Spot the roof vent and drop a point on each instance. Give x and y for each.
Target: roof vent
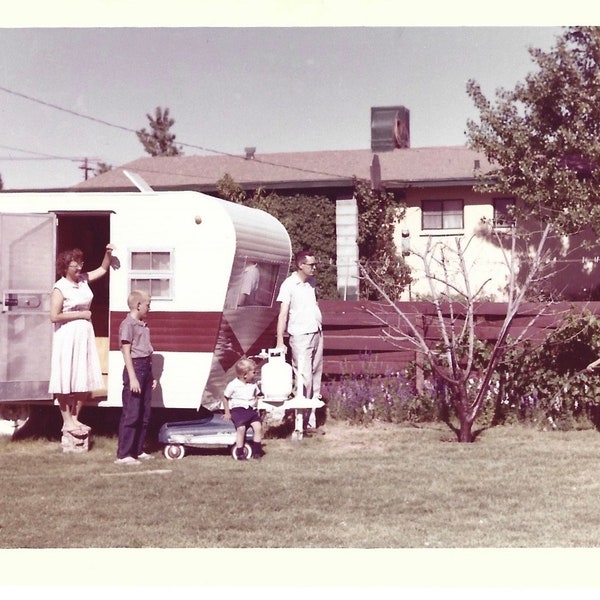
(390, 128)
(250, 150)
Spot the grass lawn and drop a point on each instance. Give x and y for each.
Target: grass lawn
(385, 487)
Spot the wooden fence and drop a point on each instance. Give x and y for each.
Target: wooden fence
(354, 338)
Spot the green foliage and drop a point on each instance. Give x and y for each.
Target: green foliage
(378, 215)
(102, 167)
(228, 189)
(310, 223)
(551, 377)
(544, 136)
(159, 141)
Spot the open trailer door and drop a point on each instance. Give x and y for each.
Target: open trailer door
(27, 256)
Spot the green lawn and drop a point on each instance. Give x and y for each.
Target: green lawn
(400, 493)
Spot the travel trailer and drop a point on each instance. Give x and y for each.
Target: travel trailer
(189, 251)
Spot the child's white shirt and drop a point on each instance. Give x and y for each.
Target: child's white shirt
(241, 394)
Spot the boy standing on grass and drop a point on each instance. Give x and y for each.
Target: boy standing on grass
(240, 401)
(138, 381)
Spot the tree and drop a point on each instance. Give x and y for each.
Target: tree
(461, 361)
(102, 167)
(543, 137)
(1, 183)
(159, 141)
(230, 190)
(543, 140)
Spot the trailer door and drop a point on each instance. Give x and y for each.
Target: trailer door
(27, 254)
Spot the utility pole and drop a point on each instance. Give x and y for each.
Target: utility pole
(86, 168)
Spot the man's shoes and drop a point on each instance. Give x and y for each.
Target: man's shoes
(127, 460)
(145, 456)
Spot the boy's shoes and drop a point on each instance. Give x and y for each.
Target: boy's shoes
(145, 456)
(257, 450)
(127, 460)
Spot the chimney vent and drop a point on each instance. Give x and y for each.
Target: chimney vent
(390, 128)
(250, 150)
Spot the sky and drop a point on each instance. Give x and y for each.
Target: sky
(78, 88)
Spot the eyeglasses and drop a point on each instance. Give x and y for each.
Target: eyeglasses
(311, 265)
(76, 266)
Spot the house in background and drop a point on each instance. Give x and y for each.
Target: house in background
(435, 184)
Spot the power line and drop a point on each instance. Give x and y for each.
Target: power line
(194, 146)
(66, 110)
(41, 155)
(18, 158)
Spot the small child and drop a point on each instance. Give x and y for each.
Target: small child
(138, 381)
(240, 401)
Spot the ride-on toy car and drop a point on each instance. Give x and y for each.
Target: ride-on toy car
(212, 430)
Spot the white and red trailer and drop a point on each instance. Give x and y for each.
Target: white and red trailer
(187, 249)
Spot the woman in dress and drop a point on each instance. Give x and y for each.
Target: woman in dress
(75, 368)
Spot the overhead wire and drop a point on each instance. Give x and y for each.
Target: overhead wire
(42, 155)
(184, 144)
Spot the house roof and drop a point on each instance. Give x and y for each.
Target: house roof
(330, 168)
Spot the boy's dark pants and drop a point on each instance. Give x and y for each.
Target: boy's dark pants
(135, 415)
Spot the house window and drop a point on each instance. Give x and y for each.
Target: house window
(502, 210)
(152, 272)
(442, 214)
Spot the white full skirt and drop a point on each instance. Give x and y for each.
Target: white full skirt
(75, 365)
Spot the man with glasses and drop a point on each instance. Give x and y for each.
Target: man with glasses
(299, 313)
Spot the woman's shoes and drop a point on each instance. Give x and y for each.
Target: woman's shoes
(83, 427)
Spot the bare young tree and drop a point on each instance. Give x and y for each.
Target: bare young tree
(457, 359)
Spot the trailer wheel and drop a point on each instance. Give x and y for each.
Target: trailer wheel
(247, 451)
(174, 451)
(13, 417)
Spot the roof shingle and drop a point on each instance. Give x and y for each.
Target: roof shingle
(400, 166)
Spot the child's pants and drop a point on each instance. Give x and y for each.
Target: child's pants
(135, 415)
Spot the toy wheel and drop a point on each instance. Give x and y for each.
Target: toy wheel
(247, 451)
(174, 451)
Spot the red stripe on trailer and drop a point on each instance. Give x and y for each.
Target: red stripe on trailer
(175, 331)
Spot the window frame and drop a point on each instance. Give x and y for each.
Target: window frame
(151, 274)
(501, 218)
(444, 213)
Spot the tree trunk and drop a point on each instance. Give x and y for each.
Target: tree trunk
(465, 432)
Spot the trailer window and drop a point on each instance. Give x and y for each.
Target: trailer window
(257, 283)
(152, 272)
